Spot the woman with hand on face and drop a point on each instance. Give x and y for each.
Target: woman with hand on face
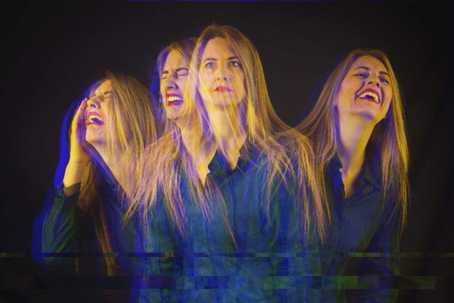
(107, 136)
(264, 170)
(358, 133)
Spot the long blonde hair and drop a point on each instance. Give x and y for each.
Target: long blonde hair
(288, 153)
(167, 163)
(130, 127)
(389, 136)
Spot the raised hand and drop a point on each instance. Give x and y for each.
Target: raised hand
(78, 157)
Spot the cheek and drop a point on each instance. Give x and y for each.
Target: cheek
(240, 83)
(204, 78)
(345, 95)
(105, 112)
(351, 87)
(162, 87)
(388, 98)
(203, 90)
(388, 93)
(182, 85)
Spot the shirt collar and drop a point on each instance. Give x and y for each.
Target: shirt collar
(368, 180)
(219, 167)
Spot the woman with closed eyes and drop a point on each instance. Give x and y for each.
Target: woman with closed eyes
(358, 132)
(174, 202)
(107, 136)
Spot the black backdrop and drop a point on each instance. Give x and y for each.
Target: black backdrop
(52, 53)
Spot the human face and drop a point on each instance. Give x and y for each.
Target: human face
(173, 80)
(221, 75)
(366, 90)
(96, 112)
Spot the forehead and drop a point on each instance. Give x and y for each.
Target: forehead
(104, 87)
(370, 62)
(174, 60)
(218, 48)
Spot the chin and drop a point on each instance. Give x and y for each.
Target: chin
(224, 102)
(369, 111)
(173, 114)
(367, 114)
(95, 139)
(172, 117)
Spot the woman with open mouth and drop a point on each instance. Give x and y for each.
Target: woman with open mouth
(107, 133)
(261, 196)
(170, 77)
(175, 184)
(358, 133)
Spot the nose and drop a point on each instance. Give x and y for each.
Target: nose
(222, 73)
(374, 82)
(171, 83)
(93, 103)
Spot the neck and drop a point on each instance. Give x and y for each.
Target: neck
(229, 137)
(354, 134)
(112, 161)
(199, 148)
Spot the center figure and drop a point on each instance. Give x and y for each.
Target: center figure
(237, 201)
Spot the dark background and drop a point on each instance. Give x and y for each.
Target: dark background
(52, 53)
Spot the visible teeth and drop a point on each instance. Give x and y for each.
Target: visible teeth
(174, 98)
(368, 94)
(96, 120)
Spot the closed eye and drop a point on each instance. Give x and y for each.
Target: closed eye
(384, 80)
(361, 75)
(182, 72)
(164, 75)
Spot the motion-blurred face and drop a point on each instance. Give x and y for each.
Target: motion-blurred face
(221, 75)
(366, 90)
(173, 80)
(96, 113)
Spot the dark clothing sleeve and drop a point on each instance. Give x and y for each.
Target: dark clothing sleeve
(59, 235)
(69, 240)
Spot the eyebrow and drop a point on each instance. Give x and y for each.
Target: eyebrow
(210, 59)
(100, 95)
(362, 67)
(367, 68)
(214, 59)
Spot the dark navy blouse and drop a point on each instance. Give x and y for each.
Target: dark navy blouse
(262, 260)
(360, 256)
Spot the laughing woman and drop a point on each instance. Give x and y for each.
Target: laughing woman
(358, 132)
(109, 131)
(176, 193)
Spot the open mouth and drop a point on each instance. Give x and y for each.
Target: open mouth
(94, 119)
(223, 89)
(173, 100)
(370, 95)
